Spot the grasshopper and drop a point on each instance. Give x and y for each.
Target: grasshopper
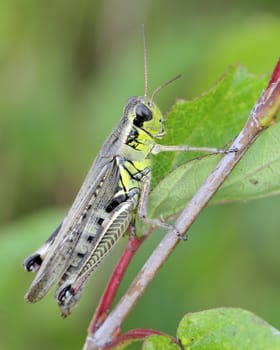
(115, 191)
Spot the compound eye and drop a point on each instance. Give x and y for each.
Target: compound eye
(143, 114)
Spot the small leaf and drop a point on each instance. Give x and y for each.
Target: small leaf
(214, 120)
(159, 342)
(227, 329)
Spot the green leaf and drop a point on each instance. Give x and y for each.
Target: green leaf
(213, 120)
(227, 329)
(159, 342)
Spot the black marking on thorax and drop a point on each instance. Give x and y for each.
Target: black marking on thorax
(132, 139)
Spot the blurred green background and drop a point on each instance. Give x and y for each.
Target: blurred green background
(67, 69)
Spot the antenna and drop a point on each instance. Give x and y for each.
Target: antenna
(164, 85)
(146, 71)
(145, 62)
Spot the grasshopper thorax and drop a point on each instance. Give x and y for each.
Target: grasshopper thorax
(145, 115)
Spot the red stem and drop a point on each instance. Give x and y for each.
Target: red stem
(137, 335)
(275, 75)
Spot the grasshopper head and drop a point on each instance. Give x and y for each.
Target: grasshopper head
(144, 114)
